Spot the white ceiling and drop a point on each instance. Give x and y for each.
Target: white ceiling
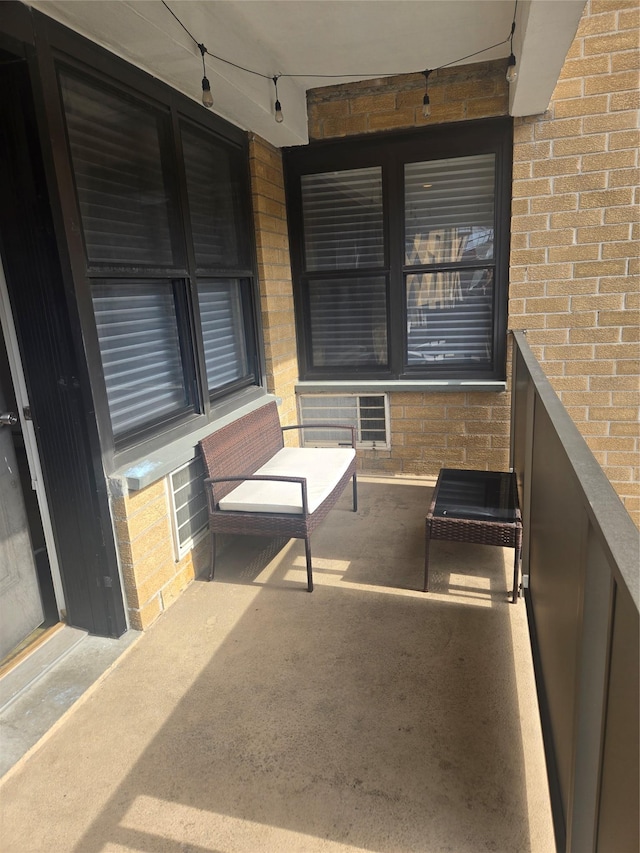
(356, 39)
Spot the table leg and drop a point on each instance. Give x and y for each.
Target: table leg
(427, 541)
(516, 574)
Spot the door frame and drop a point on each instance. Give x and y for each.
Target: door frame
(29, 436)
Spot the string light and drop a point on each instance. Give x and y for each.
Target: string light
(512, 71)
(278, 108)
(207, 97)
(426, 104)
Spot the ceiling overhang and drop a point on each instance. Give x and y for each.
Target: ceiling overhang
(351, 39)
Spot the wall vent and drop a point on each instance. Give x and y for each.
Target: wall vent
(369, 413)
(188, 503)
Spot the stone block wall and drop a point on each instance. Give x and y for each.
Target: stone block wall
(153, 578)
(471, 91)
(575, 239)
(274, 273)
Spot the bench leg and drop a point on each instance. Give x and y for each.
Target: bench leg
(212, 558)
(307, 549)
(427, 542)
(355, 494)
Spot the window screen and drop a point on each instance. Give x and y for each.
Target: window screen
(117, 164)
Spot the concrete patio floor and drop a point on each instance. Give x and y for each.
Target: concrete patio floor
(253, 716)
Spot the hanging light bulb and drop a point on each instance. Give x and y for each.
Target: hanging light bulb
(207, 97)
(426, 103)
(278, 106)
(512, 71)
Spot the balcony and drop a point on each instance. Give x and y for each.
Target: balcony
(254, 716)
(370, 716)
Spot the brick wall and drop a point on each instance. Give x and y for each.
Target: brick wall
(152, 577)
(274, 274)
(428, 430)
(392, 103)
(574, 260)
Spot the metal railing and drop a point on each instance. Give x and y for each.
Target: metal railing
(580, 566)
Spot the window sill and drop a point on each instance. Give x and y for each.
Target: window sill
(419, 386)
(154, 466)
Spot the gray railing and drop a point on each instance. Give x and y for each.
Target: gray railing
(580, 568)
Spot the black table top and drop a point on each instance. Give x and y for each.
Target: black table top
(476, 495)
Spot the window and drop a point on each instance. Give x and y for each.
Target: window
(166, 235)
(400, 253)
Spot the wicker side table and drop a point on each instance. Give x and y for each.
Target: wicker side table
(475, 506)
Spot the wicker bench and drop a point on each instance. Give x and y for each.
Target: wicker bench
(258, 487)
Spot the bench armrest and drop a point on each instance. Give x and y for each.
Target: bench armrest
(214, 505)
(324, 426)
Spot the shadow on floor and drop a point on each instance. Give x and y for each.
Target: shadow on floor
(256, 717)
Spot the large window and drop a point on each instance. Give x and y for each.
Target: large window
(400, 254)
(165, 226)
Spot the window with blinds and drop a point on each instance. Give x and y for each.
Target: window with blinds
(400, 266)
(119, 175)
(343, 219)
(214, 202)
(348, 321)
(449, 235)
(222, 331)
(153, 264)
(140, 351)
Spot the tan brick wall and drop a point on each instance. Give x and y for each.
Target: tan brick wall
(575, 232)
(152, 577)
(391, 103)
(428, 430)
(274, 273)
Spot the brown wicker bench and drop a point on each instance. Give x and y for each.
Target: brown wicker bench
(257, 487)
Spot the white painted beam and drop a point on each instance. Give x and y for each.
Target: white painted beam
(544, 32)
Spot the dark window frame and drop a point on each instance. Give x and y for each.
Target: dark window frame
(392, 151)
(68, 52)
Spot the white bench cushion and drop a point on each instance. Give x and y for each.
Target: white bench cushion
(321, 466)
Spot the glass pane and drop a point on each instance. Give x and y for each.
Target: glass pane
(349, 322)
(450, 318)
(115, 152)
(449, 207)
(342, 215)
(225, 349)
(214, 202)
(140, 350)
